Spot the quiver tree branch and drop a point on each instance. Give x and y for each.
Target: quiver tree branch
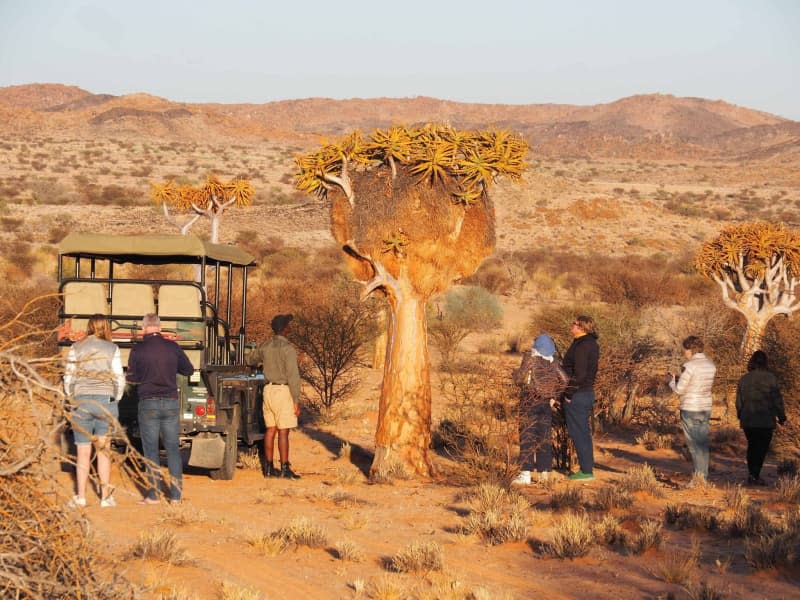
(756, 266)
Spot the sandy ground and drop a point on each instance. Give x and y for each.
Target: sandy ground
(383, 519)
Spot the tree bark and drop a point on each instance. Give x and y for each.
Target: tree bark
(404, 419)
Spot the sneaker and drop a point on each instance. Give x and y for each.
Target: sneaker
(524, 478)
(108, 502)
(287, 473)
(581, 476)
(77, 502)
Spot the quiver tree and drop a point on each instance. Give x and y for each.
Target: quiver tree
(756, 265)
(411, 209)
(210, 201)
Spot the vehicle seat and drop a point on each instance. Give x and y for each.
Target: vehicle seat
(131, 301)
(84, 298)
(182, 302)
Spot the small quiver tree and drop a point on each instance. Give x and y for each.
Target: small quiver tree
(756, 266)
(411, 209)
(210, 201)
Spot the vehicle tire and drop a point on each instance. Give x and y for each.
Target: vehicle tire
(228, 467)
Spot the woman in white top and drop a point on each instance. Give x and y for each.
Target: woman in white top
(94, 379)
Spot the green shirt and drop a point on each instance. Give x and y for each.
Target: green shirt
(279, 362)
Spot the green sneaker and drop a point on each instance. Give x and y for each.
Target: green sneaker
(581, 476)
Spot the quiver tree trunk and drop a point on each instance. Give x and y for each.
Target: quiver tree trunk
(403, 435)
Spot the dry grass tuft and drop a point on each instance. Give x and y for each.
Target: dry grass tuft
(749, 521)
(389, 471)
(788, 489)
(161, 546)
(250, 460)
(570, 497)
(650, 535)
(268, 544)
(497, 515)
(608, 530)
(350, 551)
(302, 532)
(653, 440)
(573, 536)
(612, 496)
(704, 590)
(348, 474)
(736, 498)
(686, 516)
(182, 514)
(386, 588)
(232, 591)
(641, 479)
(423, 556)
(678, 566)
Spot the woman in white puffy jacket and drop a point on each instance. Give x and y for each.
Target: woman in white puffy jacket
(694, 387)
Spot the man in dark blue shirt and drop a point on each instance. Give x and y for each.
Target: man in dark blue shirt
(153, 366)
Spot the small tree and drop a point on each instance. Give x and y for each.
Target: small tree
(757, 267)
(210, 201)
(466, 310)
(332, 335)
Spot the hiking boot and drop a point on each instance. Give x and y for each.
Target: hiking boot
(524, 478)
(271, 471)
(581, 476)
(287, 473)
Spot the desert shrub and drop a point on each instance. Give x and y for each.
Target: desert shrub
(686, 516)
(749, 520)
(466, 309)
(302, 532)
(268, 544)
(492, 275)
(788, 489)
(648, 536)
(478, 426)
(331, 336)
(678, 566)
(11, 223)
(639, 282)
(161, 546)
(389, 471)
(641, 478)
(349, 551)
(232, 591)
(612, 496)
(496, 515)
(570, 497)
(781, 548)
(250, 460)
(572, 536)
(608, 530)
(787, 467)
(652, 440)
(424, 556)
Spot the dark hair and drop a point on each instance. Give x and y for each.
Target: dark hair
(586, 323)
(757, 361)
(693, 343)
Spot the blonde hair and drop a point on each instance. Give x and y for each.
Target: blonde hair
(98, 327)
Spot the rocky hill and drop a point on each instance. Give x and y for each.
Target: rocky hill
(645, 126)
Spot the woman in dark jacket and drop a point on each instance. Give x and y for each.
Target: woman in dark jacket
(758, 405)
(580, 363)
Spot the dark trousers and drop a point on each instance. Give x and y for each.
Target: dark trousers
(577, 413)
(160, 417)
(535, 448)
(758, 440)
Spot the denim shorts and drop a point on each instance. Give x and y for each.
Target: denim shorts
(93, 416)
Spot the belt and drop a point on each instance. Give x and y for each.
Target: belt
(274, 383)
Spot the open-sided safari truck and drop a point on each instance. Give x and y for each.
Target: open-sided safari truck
(126, 277)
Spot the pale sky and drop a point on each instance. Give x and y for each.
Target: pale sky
(503, 51)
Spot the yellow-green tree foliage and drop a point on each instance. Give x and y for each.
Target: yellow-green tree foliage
(757, 266)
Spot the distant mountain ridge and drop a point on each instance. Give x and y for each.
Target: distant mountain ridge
(642, 126)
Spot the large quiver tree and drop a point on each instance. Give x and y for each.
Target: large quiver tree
(411, 209)
(757, 266)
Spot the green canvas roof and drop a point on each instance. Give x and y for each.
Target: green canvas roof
(152, 249)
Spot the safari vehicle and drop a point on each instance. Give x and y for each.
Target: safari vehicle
(126, 277)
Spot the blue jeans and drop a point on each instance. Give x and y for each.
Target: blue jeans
(161, 416)
(695, 427)
(577, 414)
(94, 415)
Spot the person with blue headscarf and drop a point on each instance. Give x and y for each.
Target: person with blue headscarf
(542, 381)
